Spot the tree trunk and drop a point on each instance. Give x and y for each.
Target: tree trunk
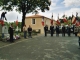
(23, 21)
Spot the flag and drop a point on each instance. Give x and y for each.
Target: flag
(73, 20)
(64, 18)
(77, 23)
(58, 22)
(42, 21)
(51, 19)
(2, 22)
(17, 21)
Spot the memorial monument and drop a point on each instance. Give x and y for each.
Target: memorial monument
(2, 23)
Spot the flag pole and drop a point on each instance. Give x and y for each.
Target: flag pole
(52, 19)
(17, 24)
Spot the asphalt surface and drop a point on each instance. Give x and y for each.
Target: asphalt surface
(41, 48)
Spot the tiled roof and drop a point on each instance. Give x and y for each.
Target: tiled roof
(37, 16)
(34, 16)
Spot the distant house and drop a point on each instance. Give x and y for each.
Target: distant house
(36, 22)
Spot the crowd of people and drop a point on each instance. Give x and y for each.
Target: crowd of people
(27, 31)
(56, 29)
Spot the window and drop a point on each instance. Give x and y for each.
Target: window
(33, 21)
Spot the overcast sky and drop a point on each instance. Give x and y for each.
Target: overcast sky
(60, 7)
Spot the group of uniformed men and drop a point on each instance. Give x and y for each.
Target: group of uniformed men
(57, 30)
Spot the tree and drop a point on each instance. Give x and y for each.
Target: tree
(25, 6)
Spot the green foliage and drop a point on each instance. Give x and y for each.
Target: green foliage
(14, 24)
(26, 6)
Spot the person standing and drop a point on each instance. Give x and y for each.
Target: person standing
(11, 30)
(25, 31)
(30, 31)
(52, 30)
(63, 30)
(75, 30)
(57, 30)
(45, 30)
(69, 30)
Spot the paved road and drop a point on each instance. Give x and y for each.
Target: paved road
(42, 48)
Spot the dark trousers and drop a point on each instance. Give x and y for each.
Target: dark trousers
(29, 34)
(69, 34)
(57, 34)
(11, 37)
(63, 34)
(75, 33)
(45, 33)
(25, 34)
(51, 33)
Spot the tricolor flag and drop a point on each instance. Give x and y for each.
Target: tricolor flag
(77, 23)
(17, 21)
(58, 22)
(64, 18)
(74, 20)
(51, 19)
(1, 22)
(43, 21)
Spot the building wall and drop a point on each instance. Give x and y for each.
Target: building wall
(38, 23)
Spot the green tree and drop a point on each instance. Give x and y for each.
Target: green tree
(25, 6)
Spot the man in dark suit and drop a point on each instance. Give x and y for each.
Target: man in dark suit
(52, 30)
(57, 30)
(69, 30)
(75, 30)
(45, 30)
(30, 31)
(63, 30)
(11, 33)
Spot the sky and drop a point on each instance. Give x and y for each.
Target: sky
(61, 7)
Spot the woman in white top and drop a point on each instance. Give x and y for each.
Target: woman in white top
(25, 31)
